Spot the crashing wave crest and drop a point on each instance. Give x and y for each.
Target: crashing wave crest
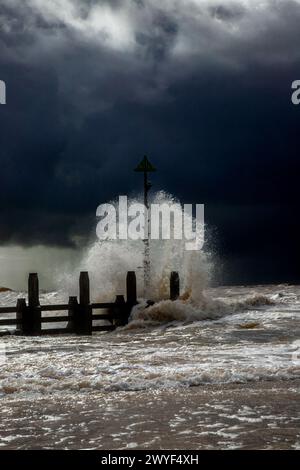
(183, 310)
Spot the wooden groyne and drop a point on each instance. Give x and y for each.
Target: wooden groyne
(79, 316)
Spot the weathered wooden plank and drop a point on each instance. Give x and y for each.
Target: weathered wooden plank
(101, 305)
(53, 308)
(104, 328)
(62, 318)
(56, 331)
(8, 309)
(43, 308)
(9, 321)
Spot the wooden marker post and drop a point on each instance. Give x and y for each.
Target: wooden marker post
(84, 322)
(174, 285)
(72, 314)
(120, 311)
(131, 292)
(21, 317)
(32, 324)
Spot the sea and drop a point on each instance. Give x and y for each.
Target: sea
(219, 368)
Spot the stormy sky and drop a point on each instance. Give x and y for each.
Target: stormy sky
(202, 87)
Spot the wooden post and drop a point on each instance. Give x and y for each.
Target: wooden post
(84, 288)
(174, 285)
(33, 290)
(21, 317)
(131, 295)
(85, 319)
(33, 312)
(120, 311)
(73, 314)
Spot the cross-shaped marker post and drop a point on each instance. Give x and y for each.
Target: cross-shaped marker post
(146, 167)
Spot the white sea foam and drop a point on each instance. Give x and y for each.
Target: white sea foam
(181, 355)
(81, 383)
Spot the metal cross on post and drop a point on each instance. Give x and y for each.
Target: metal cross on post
(146, 167)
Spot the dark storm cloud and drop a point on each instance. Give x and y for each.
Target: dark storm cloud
(202, 86)
(231, 12)
(159, 41)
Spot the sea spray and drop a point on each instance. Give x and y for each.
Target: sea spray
(108, 261)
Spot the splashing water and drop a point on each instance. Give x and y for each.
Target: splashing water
(108, 262)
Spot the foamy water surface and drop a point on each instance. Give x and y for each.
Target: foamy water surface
(240, 335)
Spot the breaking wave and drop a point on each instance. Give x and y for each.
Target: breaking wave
(108, 262)
(186, 311)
